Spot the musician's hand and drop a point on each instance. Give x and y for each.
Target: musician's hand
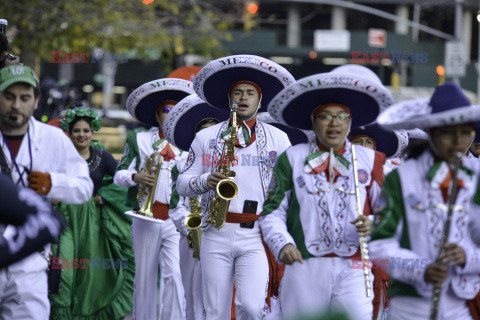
(144, 179)
(289, 254)
(436, 273)
(453, 255)
(98, 200)
(214, 178)
(364, 225)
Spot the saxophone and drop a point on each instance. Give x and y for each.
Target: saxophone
(153, 163)
(226, 189)
(193, 222)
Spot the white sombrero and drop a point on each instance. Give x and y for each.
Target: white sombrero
(143, 102)
(353, 86)
(388, 142)
(215, 80)
(448, 106)
(180, 123)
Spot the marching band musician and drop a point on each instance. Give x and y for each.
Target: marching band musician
(310, 219)
(235, 252)
(410, 235)
(155, 240)
(180, 127)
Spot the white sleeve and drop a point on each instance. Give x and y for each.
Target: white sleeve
(71, 182)
(178, 215)
(400, 263)
(192, 181)
(123, 178)
(274, 228)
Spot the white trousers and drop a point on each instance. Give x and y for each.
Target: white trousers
(234, 254)
(416, 308)
(24, 290)
(320, 284)
(155, 243)
(192, 281)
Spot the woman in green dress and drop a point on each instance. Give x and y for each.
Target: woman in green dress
(95, 252)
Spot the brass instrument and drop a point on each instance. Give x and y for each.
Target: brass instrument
(153, 163)
(226, 189)
(193, 222)
(362, 241)
(446, 231)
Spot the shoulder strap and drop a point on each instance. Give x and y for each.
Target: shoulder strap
(4, 165)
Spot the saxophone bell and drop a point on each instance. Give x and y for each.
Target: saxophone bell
(193, 222)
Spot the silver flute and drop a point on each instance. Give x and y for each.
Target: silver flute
(361, 240)
(437, 291)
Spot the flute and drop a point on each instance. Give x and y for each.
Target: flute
(361, 240)
(446, 232)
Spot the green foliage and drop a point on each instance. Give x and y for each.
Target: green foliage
(166, 27)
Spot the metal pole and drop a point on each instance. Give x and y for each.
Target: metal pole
(416, 19)
(458, 29)
(478, 57)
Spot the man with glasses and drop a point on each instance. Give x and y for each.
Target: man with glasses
(155, 240)
(310, 220)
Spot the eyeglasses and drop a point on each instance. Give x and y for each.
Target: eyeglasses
(342, 117)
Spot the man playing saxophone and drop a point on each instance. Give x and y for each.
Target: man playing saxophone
(154, 236)
(310, 219)
(234, 252)
(181, 126)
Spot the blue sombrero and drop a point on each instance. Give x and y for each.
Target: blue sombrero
(296, 136)
(448, 106)
(214, 81)
(180, 123)
(354, 86)
(143, 102)
(392, 143)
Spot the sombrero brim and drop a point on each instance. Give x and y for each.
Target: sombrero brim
(295, 104)
(143, 102)
(391, 143)
(416, 113)
(214, 81)
(296, 136)
(147, 107)
(180, 123)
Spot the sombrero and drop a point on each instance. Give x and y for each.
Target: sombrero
(296, 136)
(143, 102)
(180, 123)
(392, 143)
(448, 106)
(214, 81)
(354, 86)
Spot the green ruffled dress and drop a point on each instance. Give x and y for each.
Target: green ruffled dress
(100, 287)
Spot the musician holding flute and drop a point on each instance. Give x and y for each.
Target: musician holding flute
(421, 220)
(231, 246)
(311, 220)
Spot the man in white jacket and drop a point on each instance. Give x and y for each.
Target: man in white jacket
(235, 252)
(43, 158)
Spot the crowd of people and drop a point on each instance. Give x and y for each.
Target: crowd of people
(253, 195)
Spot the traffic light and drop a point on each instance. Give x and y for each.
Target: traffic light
(249, 12)
(441, 75)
